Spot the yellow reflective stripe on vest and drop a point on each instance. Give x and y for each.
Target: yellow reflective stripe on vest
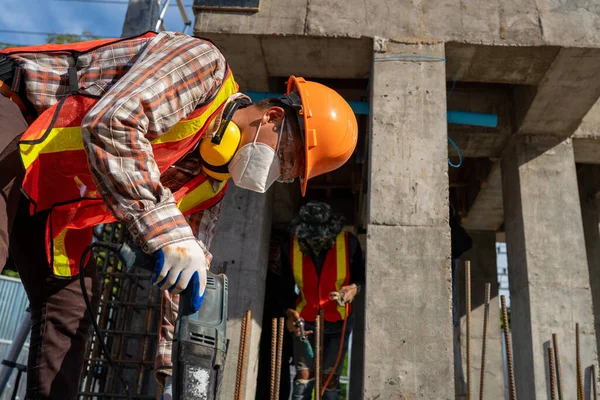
(199, 195)
(297, 269)
(70, 139)
(185, 129)
(60, 260)
(340, 246)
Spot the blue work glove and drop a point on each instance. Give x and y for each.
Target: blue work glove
(179, 266)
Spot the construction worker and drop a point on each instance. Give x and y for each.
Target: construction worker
(124, 130)
(326, 265)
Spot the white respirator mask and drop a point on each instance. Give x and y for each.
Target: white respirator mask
(255, 166)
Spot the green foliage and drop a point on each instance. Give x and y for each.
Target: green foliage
(61, 38)
(10, 272)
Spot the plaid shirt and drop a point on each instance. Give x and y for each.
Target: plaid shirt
(147, 86)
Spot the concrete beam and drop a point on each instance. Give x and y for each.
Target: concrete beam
(487, 212)
(524, 65)
(495, 22)
(407, 298)
(586, 140)
(547, 263)
(569, 89)
(241, 250)
(256, 58)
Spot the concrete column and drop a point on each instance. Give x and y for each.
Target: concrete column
(483, 270)
(547, 264)
(141, 16)
(408, 327)
(241, 250)
(589, 186)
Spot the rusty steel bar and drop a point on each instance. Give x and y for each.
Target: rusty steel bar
(145, 342)
(594, 384)
(322, 381)
(279, 356)
(317, 358)
(509, 359)
(578, 360)
(243, 356)
(551, 374)
(559, 384)
(468, 312)
(273, 356)
(486, 317)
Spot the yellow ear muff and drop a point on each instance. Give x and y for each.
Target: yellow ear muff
(216, 152)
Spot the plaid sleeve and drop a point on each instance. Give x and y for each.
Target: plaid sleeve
(204, 226)
(174, 74)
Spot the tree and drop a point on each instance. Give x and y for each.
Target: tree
(63, 38)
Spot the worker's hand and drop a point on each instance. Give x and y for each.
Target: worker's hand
(181, 265)
(292, 318)
(345, 295)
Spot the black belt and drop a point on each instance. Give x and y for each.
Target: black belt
(10, 73)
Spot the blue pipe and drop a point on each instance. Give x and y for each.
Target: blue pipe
(362, 108)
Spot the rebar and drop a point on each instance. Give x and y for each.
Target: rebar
(322, 340)
(273, 356)
(486, 317)
(578, 360)
(279, 357)
(242, 357)
(551, 374)
(509, 358)
(594, 383)
(468, 312)
(559, 384)
(317, 358)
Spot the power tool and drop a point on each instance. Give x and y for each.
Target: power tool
(200, 341)
(304, 338)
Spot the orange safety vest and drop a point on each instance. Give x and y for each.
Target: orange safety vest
(58, 178)
(314, 290)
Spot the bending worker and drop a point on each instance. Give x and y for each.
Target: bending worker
(326, 264)
(145, 131)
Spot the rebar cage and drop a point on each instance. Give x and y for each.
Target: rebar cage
(128, 317)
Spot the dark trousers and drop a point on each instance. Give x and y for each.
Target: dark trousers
(60, 325)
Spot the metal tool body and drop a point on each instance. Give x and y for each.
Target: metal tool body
(200, 342)
(304, 338)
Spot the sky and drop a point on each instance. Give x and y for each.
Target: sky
(101, 17)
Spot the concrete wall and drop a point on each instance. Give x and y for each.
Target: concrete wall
(408, 339)
(241, 250)
(498, 22)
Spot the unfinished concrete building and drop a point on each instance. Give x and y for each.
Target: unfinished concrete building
(532, 180)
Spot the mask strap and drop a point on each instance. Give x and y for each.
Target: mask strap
(257, 132)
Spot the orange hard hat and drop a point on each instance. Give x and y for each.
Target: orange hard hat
(328, 124)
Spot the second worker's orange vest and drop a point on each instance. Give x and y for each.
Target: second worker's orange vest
(315, 289)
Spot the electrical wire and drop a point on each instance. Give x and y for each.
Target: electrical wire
(460, 159)
(449, 138)
(18, 32)
(90, 312)
(117, 2)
